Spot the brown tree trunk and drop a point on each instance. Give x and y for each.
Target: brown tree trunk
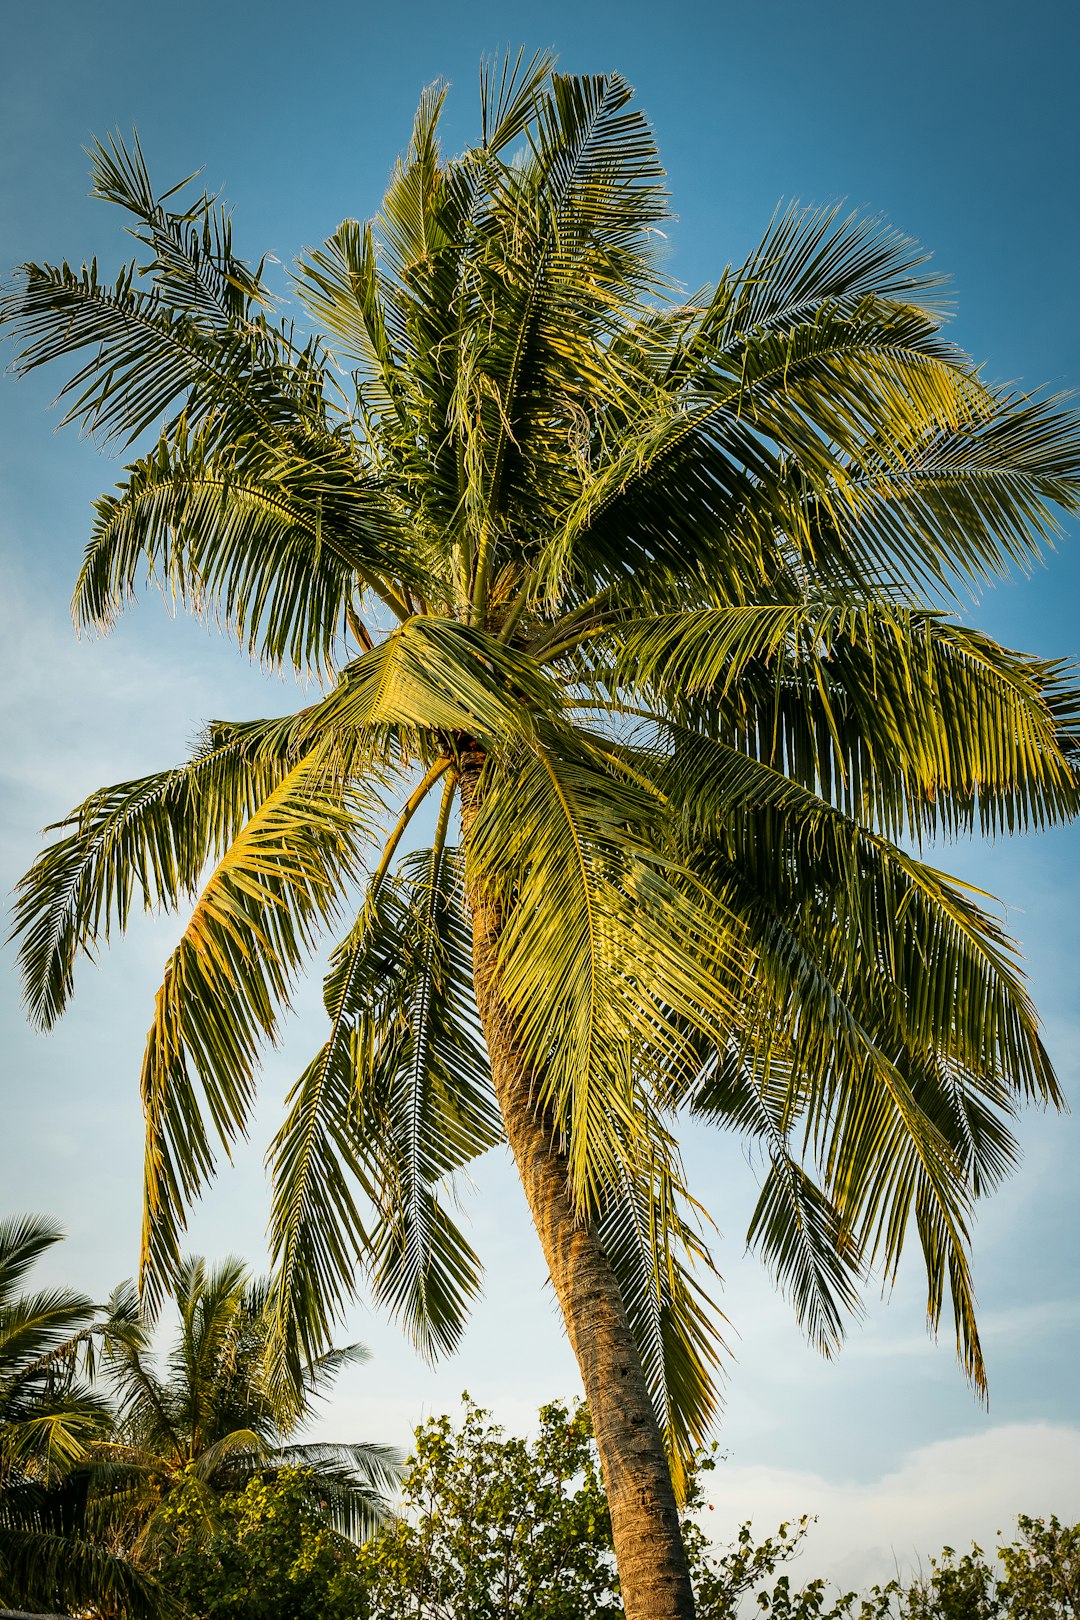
(653, 1573)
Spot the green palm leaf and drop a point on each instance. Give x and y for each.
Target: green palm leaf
(398, 1099)
(278, 883)
(148, 839)
(277, 540)
(46, 1568)
(605, 947)
(908, 721)
(654, 1249)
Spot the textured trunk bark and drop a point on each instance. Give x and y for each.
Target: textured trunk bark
(649, 1550)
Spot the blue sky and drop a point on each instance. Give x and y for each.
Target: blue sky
(960, 123)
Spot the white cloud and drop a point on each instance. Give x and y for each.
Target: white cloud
(949, 1492)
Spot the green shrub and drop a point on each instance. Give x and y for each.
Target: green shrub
(261, 1553)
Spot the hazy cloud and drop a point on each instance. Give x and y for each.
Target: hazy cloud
(949, 1492)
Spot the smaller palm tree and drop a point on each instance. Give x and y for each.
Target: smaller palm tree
(211, 1418)
(53, 1425)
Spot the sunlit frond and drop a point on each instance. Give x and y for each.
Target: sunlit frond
(279, 882)
(146, 841)
(605, 949)
(433, 676)
(910, 722)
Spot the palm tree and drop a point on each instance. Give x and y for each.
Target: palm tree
(650, 597)
(52, 1424)
(211, 1418)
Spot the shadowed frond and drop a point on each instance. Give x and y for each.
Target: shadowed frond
(278, 540)
(796, 1227)
(654, 1249)
(398, 1099)
(355, 1483)
(46, 1569)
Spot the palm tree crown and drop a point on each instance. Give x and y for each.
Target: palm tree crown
(657, 593)
(211, 1414)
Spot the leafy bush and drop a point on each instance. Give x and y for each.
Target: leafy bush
(498, 1528)
(265, 1552)
(1039, 1579)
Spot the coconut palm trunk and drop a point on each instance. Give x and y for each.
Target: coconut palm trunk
(654, 1578)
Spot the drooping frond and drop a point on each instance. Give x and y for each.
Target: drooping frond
(877, 910)
(277, 884)
(398, 1099)
(45, 1568)
(888, 1022)
(431, 1086)
(606, 952)
(796, 1227)
(277, 538)
(654, 1249)
(912, 723)
(145, 841)
(355, 1484)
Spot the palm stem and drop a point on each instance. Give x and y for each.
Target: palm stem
(408, 810)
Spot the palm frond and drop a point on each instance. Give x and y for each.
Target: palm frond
(339, 283)
(398, 1099)
(197, 335)
(192, 254)
(146, 840)
(796, 1227)
(888, 1019)
(432, 1093)
(278, 883)
(431, 675)
(46, 1569)
(654, 1249)
(809, 258)
(913, 724)
(606, 950)
(274, 538)
(355, 1482)
(23, 1240)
